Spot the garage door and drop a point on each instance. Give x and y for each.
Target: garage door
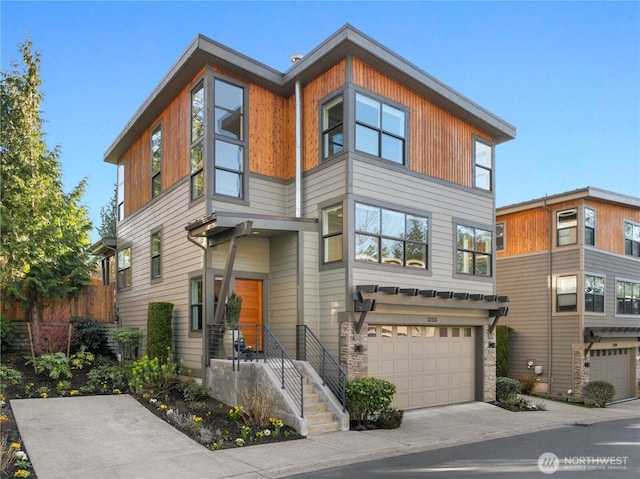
(611, 365)
(429, 366)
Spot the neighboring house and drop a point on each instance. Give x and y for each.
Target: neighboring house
(570, 264)
(303, 192)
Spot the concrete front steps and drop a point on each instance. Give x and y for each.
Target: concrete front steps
(319, 419)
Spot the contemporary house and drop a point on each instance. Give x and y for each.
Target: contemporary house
(570, 264)
(350, 199)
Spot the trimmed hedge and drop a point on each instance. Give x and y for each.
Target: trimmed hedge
(159, 332)
(600, 392)
(503, 335)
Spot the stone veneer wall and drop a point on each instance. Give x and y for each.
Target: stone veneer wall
(580, 373)
(489, 355)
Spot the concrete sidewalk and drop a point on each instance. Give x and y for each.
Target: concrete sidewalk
(116, 437)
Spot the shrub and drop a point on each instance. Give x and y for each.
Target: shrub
(507, 390)
(106, 378)
(88, 335)
(54, 365)
(527, 383)
(129, 341)
(150, 374)
(503, 335)
(367, 398)
(81, 359)
(9, 376)
(50, 335)
(159, 329)
(390, 419)
(600, 392)
(257, 406)
(195, 392)
(6, 333)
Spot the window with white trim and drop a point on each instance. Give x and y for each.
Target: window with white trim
(567, 227)
(473, 251)
(124, 268)
(332, 234)
(589, 226)
(483, 160)
(566, 293)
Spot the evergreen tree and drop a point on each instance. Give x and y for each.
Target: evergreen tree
(44, 231)
(108, 217)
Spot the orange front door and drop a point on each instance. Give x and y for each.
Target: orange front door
(251, 312)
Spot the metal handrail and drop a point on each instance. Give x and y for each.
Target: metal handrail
(310, 349)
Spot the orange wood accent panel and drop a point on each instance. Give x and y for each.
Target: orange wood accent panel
(440, 144)
(525, 232)
(610, 220)
(251, 313)
(137, 174)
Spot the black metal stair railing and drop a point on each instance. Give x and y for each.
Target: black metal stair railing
(310, 349)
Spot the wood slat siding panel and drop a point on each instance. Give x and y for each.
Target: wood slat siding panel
(525, 232)
(322, 185)
(312, 93)
(179, 258)
(525, 281)
(332, 301)
(440, 144)
(610, 224)
(283, 288)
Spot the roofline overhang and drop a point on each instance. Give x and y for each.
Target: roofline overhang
(104, 246)
(588, 192)
(346, 42)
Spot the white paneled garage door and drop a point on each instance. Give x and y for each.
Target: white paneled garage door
(611, 365)
(429, 366)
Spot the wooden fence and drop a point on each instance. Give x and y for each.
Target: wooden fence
(95, 301)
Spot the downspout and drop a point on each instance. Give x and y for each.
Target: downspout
(298, 121)
(550, 300)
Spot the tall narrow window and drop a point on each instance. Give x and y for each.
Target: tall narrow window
(196, 154)
(229, 139)
(589, 226)
(380, 129)
(196, 304)
(474, 251)
(332, 126)
(156, 161)
(120, 192)
(155, 255)
(483, 154)
(499, 236)
(124, 268)
(567, 227)
(332, 233)
(631, 239)
(594, 294)
(566, 293)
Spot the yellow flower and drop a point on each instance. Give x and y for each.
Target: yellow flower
(21, 473)
(44, 395)
(2, 397)
(16, 445)
(73, 392)
(117, 391)
(3, 418)
(163, 406)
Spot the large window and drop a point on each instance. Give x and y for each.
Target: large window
(196, 304)
(567, 227)
(483, 156)
(120, 192)
(391, 237)
(156, 161)
(229, 139)
(332, 128)
(594, 294)
(155, 255)
(631, 239)
(124, 268)
(380, 129)
(589, 227)
(332, 234)
(566, 293)
(474, 251)
(196, 154)
(627, 297)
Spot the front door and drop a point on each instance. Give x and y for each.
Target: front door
(251, 313)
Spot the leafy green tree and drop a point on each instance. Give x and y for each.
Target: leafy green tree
(44, 231)
(108, 217)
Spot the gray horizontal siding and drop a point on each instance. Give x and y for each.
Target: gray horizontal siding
(283, 288)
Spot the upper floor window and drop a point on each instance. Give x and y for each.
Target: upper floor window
(594, 294)
(631, 239)
(196, 152)
(195, 304)
(124, 268)
(627, 297)
(332, 128)
(229, 139)
(589, 226)
(483, 156)
(391, 237)
(567, 227)
(155, 255)
(380, 129)
(156, 161)
(499, 236)
(120, 192)
(332, 233)
(566, 293)
(473, 251)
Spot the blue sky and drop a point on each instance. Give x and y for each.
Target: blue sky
(565, 74)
